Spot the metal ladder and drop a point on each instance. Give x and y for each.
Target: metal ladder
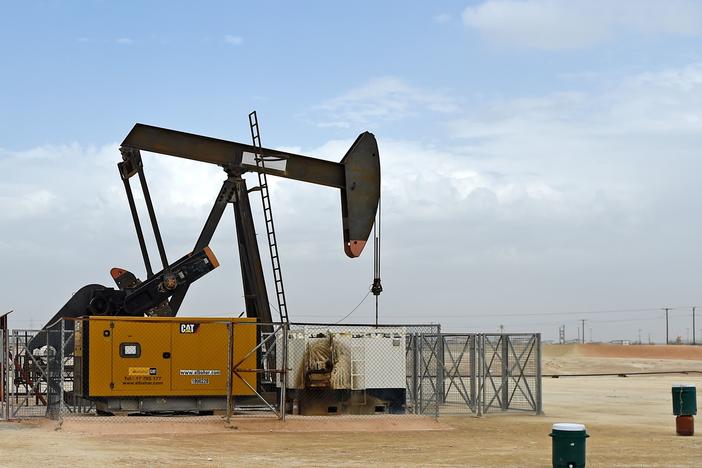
(268, 215)
(358, 371)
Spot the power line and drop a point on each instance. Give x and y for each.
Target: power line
(561, 314)
(586, 312)
(558, 322)
(637, 319)
(354, 309)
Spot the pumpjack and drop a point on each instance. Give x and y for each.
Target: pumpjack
(356, 176)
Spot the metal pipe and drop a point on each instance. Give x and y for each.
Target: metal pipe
(5, 378)
(475, 381)
(258, 346)
(422, 372)
(270, 407)
(415, 377)
(61, 374)
(504, 349)
(481, 361)
(284, 377)
(152, 216)
(539, 398)
(137, 225)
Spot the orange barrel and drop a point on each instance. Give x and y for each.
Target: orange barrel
(685, 425)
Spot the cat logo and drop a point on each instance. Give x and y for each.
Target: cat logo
(189, 327)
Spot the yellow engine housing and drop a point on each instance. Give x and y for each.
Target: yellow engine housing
(163, 356)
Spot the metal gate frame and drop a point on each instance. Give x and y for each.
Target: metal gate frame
(513, 365)
(266, 365)
(424, 378)
(4, 375)
(453, 362)
(485, 371)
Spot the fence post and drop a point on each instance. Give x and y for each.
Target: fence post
(481, 388)
(439, 392)
(284, 375)
(9, 365)
(473, 370)
(440, 367)
(415, 377)
(539, 401)
(504, 403)
(61, 370)
(8, 374)
(421, 372)
(47, 369)
(3, 364)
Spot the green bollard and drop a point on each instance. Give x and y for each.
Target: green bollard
(568, 445)
(684, 399)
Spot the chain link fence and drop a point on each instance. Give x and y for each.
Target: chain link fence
(26, 374)
(186, 369)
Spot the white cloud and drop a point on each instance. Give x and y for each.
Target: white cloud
(665, 102)
(383, 99)
(572, 24)
(233, 40)
(25, 203)
(124, 40)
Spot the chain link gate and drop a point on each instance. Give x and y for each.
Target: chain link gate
(460, 380)
(476, 373)
(424, 375)
(509, 372)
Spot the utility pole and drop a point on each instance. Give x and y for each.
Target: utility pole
(639, 336)
(583, 327)
(693, 325)
(687, 335)
(666, 324)
(561, 334)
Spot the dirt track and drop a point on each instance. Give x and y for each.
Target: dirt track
(628, 418)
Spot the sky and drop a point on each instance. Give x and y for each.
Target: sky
(540, 158)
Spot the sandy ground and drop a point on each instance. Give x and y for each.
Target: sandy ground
(629, 420)
(596, 358)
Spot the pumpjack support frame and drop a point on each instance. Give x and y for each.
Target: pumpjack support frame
(357, 176)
